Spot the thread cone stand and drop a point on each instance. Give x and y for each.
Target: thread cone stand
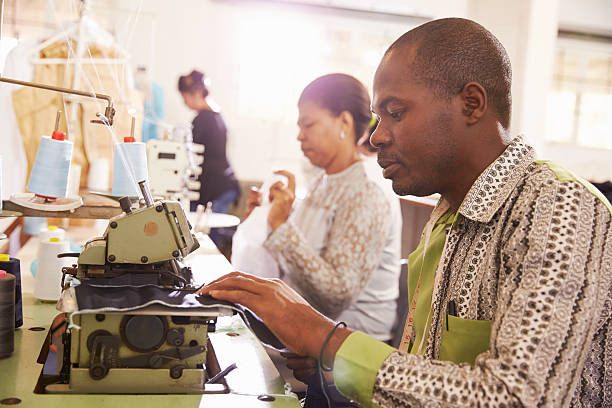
(29, 200)
(90, 206)
(7, 213)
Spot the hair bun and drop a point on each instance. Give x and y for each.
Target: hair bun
(197, 76)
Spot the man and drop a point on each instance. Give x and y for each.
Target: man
(510, 286)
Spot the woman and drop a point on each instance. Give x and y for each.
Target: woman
(330, 246)
(218, 183)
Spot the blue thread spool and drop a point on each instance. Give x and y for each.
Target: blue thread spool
(49, 176)
(135, 155)
(33, 225)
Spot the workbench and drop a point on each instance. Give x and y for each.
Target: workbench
(255, 383)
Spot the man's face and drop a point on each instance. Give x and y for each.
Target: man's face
(415, 138)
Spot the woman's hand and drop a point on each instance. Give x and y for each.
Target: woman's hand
(303, 367)
(253, 200)
(300, 327)
(282, 198)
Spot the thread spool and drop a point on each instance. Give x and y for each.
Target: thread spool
(52, 232)
(33, 225)
(97, 178)
(135, 155)
(13, 266)
(7, 314)
(74, 180)
(49, 176)
(49, 275)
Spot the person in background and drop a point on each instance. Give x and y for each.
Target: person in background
(339, 247)
(330, 245)
(153, 103)
(218, 182)
(511, 285)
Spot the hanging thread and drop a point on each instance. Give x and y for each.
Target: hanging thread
(7, 314)
(13, 266)
(49, 176)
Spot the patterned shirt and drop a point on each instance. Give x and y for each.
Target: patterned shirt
(531, 252)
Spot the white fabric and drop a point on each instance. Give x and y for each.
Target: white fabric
(14, 161)
(336, 250)
(248, 253)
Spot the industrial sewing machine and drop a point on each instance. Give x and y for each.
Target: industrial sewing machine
(174, 164)
(137, 325)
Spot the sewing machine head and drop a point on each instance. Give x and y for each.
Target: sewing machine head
(147, 243)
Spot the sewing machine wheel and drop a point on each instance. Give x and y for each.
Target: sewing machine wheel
(143, 333)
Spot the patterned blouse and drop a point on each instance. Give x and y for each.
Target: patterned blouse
(330, 251)
(531, 251)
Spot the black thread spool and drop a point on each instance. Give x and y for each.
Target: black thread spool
(7, 314)
(12, 266)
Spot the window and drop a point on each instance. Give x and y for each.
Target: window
(580, 101)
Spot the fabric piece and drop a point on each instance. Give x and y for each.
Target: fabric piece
(217, 175)
(532, 253)
(330, 251)
(93, 297)
(356, 364)
(102, 297)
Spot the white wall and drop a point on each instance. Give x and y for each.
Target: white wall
(205, 34)
(586, 15)
(528, 30)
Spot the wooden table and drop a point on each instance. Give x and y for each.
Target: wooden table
(255, 376)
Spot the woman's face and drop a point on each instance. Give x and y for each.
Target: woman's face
(192, 99)
(319, 134)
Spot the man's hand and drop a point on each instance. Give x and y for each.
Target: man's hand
(300, 327)
(282, 198)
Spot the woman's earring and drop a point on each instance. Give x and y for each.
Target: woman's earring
(342, 134)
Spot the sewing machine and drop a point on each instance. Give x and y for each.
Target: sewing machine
(137, 325)
(174, 164)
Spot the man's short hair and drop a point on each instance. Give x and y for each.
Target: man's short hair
(451, 52)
